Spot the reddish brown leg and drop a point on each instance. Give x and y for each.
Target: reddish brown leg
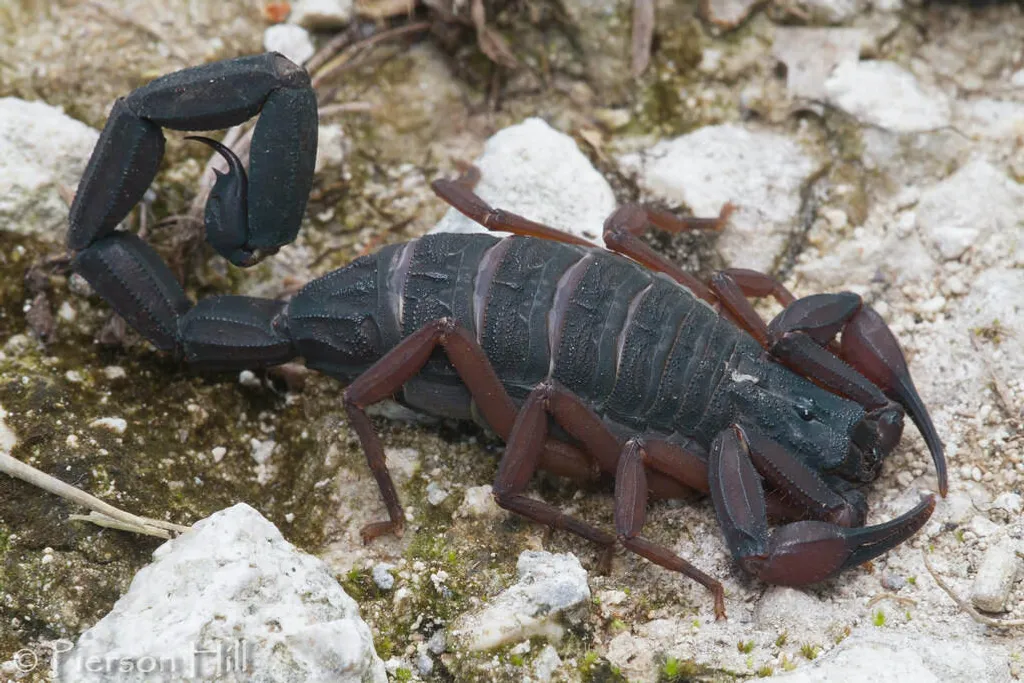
(733, 286)
(622, 233)
(400, 364)
(631, 495)
(621, 230)
(522, 458)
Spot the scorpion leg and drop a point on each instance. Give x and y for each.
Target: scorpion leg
(385, 377)
(521, 460)
(631, 498)
(210, 97)
(621, 229)
(799, 553)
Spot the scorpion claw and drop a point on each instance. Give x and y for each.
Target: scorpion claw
(870, 347)
(807, 552)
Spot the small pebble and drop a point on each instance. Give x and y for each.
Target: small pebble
(114, 372)
(435, 494)
(262, 450)
(247, 378)
(424, 664)
(218, 453)
(995, 578)
(893, 582)
(118, 425)
(290, 40)
(383, 577)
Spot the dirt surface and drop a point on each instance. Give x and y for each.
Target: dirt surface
(887, 213)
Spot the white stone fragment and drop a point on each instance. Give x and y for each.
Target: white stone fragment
(546, 663)
(218, 453)
(976, 201)
(996, 574)
(118, 425)
(7, 436)
(534, 170)
(41, 149)
(318, 15)
(548, 585)
(728, 13)
(989, 118)
(810, 55)
(231, 585)
(290, 40)
(261, 450)
(762, 173)
(884, 94)
(890, 656)
(831, 11)
(113, 372)
(478, 502)
(382, 576)
(436, 494)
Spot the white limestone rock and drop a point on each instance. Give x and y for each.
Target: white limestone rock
(762, 173)
(995, 577)
(230, 600)
(963, 210)
(320, 15)
(548, 585)
(891, 656)
(536, 171)
(290, 40)
(884, 94)
(41, 149)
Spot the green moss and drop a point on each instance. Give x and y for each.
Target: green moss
(782, 639)
(765, 671)
(746, 647)
(879, 618)
(403, 674)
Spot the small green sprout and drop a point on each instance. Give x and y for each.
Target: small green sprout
(782, 639)
(746, 647)
(810, 652)
(879, 618)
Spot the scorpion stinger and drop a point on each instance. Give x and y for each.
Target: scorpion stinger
(210, 97)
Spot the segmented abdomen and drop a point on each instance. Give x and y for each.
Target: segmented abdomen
(639, 348)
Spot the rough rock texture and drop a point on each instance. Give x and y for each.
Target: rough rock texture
(886, 95)
(547, 585)
(230, 600)
(41, 150)
(536, 171)
(761, 172)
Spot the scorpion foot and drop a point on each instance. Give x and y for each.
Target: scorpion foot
(372, 531)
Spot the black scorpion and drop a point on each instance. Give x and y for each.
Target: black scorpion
(584, 361)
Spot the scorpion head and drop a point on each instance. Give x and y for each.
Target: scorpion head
(827, 432)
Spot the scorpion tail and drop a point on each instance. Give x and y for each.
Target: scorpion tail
(871, 348)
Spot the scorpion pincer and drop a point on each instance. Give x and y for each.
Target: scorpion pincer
(583, 360)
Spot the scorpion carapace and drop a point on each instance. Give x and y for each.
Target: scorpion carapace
(584, 361)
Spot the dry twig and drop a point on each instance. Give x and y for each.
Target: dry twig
(102, 513)
(963, 604)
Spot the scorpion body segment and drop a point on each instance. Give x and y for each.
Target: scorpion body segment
(584, 361)
(640, 350)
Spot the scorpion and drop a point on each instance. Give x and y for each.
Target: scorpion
(586, 361)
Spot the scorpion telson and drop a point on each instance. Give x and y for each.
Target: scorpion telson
(584, 361)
